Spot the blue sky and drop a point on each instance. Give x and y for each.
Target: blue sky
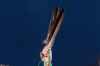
(24, 23)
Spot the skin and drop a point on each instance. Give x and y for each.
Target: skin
(49, 43)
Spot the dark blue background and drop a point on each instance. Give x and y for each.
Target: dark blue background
(23, 26)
